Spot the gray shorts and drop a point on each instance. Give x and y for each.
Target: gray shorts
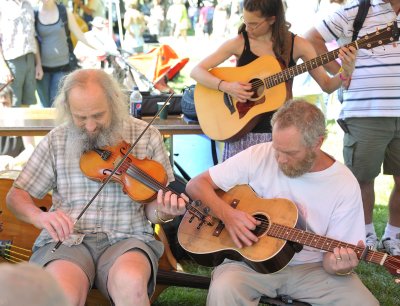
(24, 85)
(372, 141)
(95, 256)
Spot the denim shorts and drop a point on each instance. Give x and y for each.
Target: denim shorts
(95, 256)
(371, 143)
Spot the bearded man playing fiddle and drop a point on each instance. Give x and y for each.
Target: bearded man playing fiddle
(112, 245)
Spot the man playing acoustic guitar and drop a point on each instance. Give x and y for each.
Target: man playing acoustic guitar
(328, 199)
(112, 246)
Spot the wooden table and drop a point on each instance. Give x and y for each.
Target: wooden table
(38, 122)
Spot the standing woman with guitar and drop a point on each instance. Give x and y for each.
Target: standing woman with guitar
(264, 31)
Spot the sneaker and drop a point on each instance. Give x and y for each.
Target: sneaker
(372, 241)
(390, 246)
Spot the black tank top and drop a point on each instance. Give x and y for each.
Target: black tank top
(264, 124)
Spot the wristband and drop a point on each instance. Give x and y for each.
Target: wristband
(219, 84)
(342, 77)
(160, 219)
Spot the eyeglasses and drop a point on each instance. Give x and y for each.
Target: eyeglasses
(252, 25)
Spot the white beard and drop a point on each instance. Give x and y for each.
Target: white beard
(78, 141)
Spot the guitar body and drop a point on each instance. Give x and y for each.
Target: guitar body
(17, 232)
(268, 255)
(224, 121)
(222, 118)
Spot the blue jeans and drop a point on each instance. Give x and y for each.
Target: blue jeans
(47, 87)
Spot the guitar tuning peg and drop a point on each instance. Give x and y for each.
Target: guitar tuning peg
(394, 45)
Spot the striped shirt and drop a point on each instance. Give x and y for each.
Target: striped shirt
(375, 86)
(112, 212)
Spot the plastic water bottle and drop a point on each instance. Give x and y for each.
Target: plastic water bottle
(135, 103)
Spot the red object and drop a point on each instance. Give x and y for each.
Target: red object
(158, 63)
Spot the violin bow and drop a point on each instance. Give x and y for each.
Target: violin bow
(117, 167)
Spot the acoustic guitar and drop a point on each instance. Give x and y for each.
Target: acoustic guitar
(222, 118)
(209, 244)
(17, 238)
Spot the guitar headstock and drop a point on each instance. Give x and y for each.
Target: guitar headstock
(379, 38)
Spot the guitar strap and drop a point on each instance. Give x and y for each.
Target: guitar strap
(360, 17)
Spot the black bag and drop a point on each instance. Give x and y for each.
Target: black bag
(187, 102)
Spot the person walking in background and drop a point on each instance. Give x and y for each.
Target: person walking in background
(112, 245)
(370, 110)
(135, 25)
(156, 18)
(206, 18)
(293, 166)
(53, 24)
(264, 31)
(19, 53)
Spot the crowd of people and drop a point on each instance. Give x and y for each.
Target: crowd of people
(112, 244)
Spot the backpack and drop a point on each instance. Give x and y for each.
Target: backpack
(187, 102)
(73, 61)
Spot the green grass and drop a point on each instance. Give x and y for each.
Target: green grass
(376, 278)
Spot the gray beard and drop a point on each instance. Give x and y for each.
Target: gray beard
(78, 141)
(302, 168)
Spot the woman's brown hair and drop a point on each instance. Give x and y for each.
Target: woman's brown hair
(269, 8)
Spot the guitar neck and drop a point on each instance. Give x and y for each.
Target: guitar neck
(293, 71)
(322, 242)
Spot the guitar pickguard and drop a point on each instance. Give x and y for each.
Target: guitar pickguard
(258, 97)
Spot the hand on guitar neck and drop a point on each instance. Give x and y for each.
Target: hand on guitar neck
(209, 244)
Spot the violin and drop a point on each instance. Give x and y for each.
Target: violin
(140, 178)
(17, 238)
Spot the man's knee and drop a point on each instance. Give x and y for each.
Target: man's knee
(224, 283)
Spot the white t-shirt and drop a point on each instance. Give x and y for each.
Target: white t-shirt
(329, 201)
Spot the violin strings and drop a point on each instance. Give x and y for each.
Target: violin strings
(140, 175)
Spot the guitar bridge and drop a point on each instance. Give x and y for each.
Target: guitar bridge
(221, 224)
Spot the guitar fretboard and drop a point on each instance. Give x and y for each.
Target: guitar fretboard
(369, 41)
(322, 242)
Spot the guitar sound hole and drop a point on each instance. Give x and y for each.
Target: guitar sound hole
(263, 227)
(257, 87)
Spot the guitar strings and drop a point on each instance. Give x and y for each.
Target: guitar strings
(374, 256)
(291, 72)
